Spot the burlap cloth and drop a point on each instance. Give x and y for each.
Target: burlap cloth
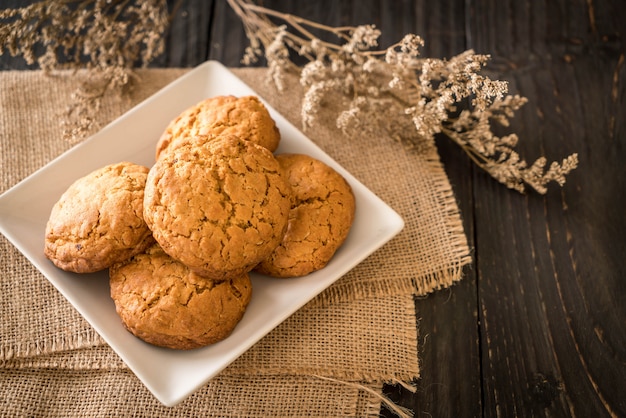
(331, 358)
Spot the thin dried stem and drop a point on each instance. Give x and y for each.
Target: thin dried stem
(108, 37)
(397, 93)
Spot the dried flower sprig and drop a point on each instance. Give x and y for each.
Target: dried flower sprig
(108, 37)
(396, 92)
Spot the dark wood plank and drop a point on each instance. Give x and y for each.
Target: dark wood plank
(447, 319)
(536, 328)
(550, 269)
(186, 41)
(188, 36)
(227, 38)
(449, 351)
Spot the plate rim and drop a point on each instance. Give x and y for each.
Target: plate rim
(393, 223)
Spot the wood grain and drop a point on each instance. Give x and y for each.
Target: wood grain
(549, 271)
(537, 326)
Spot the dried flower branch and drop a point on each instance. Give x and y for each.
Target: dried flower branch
(396, 92)
(107, 37)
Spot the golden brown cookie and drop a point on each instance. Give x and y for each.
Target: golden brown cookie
(220, 207)
(319, 220)
(164, 303)
(98, 221)
(245, 117)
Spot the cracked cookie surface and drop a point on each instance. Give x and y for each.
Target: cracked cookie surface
(320, 218)
(245, 117)
(164, 303)
(98, 220)
(219, 207)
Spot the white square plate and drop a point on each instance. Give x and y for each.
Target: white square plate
(169, 374)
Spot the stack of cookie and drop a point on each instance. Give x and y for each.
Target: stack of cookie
(180, 238)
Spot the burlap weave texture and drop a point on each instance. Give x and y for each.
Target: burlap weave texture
(362, 330)
(39, 392)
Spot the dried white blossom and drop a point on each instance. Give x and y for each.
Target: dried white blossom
(400, 94)
(107, 37)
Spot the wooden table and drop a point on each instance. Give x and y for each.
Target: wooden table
(538, 325)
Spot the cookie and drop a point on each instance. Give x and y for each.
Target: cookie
(98, 220)
(164, 303)
(219, 207)
(245, 117)
(319, 220)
